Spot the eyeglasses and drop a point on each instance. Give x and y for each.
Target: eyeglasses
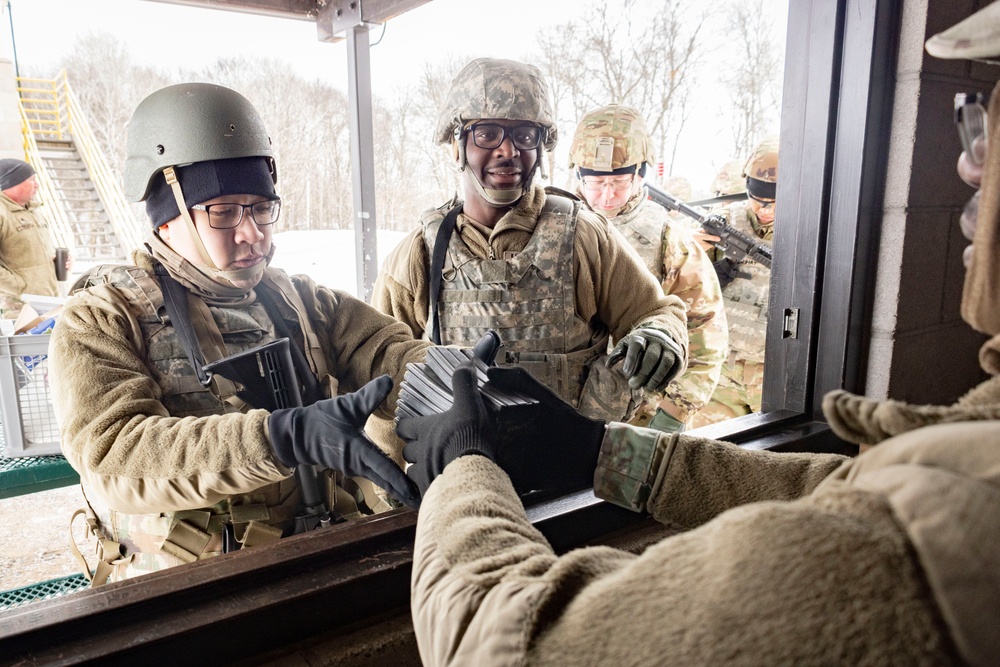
(491, 135)
(598, 185)
(764, 203)
(970, 117)
(229, 216)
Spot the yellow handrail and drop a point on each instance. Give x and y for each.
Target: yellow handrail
(105, 182)
(62, 232)
(58, 114)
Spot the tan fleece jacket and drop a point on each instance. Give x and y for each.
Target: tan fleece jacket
(612, 283)
(140, 460)
(790, 559)
(26, 251)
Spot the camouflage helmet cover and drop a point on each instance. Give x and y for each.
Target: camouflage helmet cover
(610, 138)
(187, 123)
(730, 179)
(763, 162)
(489, 88)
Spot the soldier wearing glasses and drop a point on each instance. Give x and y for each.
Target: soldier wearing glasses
(611, 150)
(553, 279)
(173, 465)
(745, 289)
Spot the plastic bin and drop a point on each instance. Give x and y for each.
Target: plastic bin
(26, 415)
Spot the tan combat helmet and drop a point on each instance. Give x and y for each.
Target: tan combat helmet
(730, 180)
(761, 170)
(610, 138)
(502, 89)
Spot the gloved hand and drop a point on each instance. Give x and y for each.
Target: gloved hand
(650, 359)
(486, 348)
(434, 441)
(331, 433)
(552, 447)
(663, 421)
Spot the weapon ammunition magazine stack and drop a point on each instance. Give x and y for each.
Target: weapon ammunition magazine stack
(426, 389)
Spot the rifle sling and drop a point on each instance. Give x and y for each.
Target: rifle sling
(176, 305)
(441, 242)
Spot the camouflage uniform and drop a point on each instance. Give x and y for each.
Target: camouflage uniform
(612, 139)
(161, 486)
(565, 283)
(685, 271)
(555, 281)
(746, 298)
(26, 253)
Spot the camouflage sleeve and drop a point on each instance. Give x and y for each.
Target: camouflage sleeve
(685, 481)
(690, 276)
(614, 284)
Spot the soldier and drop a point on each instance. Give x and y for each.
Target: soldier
(552, 278)
(745, 289)
(729, 180)
(26, 251)
(610, 152)
(173, 466)
(788, 559)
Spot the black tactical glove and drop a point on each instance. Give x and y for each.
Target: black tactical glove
(551, 449)
(331, 433)
(650, 359)
(467, 427)
(486, 348)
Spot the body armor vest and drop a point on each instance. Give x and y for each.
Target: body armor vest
(529, 299)
(746, 297)
(644, 232)
(128, 545)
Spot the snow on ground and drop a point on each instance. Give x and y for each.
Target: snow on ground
(328, 256)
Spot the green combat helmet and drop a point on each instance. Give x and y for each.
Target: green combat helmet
(170, 128)
(610, 138)
(489, 88)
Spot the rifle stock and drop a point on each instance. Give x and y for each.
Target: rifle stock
(735, 244)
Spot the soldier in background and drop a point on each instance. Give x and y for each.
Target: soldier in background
(680, 187)
(745, 289)
(551, 277)
(729, 180)
(26, 250)
(611, 150)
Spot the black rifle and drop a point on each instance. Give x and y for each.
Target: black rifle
(733, 243)
(266, 377)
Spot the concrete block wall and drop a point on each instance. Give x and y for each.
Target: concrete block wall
(921, 351)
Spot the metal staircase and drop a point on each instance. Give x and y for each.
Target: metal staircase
(84, 203)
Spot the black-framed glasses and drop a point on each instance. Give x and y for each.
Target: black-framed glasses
(598, 184)
(764, 203)
(490, 135)
(970, 118)
(229, 216)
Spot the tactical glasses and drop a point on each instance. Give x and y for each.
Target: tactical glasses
(970, 118)
(229, 216)
(764, 203)
(598, 185)
(490, 135)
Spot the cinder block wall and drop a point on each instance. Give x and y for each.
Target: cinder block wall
(921, 351)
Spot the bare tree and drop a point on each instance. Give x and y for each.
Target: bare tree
(753, 73)
(640, 54)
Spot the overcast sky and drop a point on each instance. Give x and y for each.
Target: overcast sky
(170, 36)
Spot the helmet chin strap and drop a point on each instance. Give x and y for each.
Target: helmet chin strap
(208, 266)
